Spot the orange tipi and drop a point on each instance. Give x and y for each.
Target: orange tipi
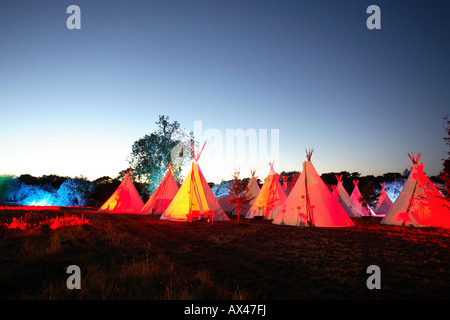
(269, 199)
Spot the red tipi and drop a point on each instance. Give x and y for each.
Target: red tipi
(125, 199)
(420, 203)
(162, 196)
(311, 204)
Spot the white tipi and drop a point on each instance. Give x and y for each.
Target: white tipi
(420, 203)
(344, 199)
(270, 198)
(252, 192)
(162, 196)
(358, 200)
(384, 203)
(125, 199)
(194, 200)
(311, 203)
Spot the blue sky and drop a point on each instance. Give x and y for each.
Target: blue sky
(73, 101)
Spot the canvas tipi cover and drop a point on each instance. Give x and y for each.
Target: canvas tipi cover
(384, 203)
(252, 192)
(162, 196)
(420, 203)
(225, 205)
(270, 198)
(311, 203)
(344, 199)
(357, 198)
(125, 199)
(195, 199)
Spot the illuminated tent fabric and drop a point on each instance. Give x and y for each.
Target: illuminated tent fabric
(224, 204)
(384, 203)
(311, 203)
(195, 199)
(125, 199)
(252, 192)
(357, 198)
(344, 199)
(162, 196)
(420, 203)
(270, 198)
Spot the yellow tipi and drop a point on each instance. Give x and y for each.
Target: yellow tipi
(194, 200)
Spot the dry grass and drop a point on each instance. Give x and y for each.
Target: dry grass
(141, 257)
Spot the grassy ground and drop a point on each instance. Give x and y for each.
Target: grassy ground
(141, 257)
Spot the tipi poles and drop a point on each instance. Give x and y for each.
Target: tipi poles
(309, 218)
(191, 191)
(309, 214)
(415, 161)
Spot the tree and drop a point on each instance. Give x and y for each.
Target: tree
(151, 155)
(238, 192)
(445, 173)
(369, 194)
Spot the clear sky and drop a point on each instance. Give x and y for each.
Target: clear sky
(72, 102)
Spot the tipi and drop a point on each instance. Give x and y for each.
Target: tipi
(384, 203)
(270, 198)
(162, 196)
(420, 203)
(253, 190)
(225, 205)
(195, 199)
(311, 203)
(344, 199)
(358, 200)
(125, 199)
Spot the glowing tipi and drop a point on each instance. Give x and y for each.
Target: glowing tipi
(125, 199)
(270, 198)
(311, 203)
(162, 196)
(194, 200)
(344, 199)
(420, 203)
(384, 203)
(358, 200)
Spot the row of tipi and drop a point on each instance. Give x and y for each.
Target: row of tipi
(309, 203)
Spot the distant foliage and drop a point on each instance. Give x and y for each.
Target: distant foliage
(71, 192)
(445, 173)
(220, 189)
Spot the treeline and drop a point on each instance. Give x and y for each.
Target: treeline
(59, 191)
(79, 191)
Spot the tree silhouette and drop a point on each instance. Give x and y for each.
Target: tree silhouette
(151, 154)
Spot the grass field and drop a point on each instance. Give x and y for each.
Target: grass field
(141, 257)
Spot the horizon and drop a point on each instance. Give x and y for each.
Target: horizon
(73, 101)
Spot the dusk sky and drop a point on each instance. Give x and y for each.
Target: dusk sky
(72, 102)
